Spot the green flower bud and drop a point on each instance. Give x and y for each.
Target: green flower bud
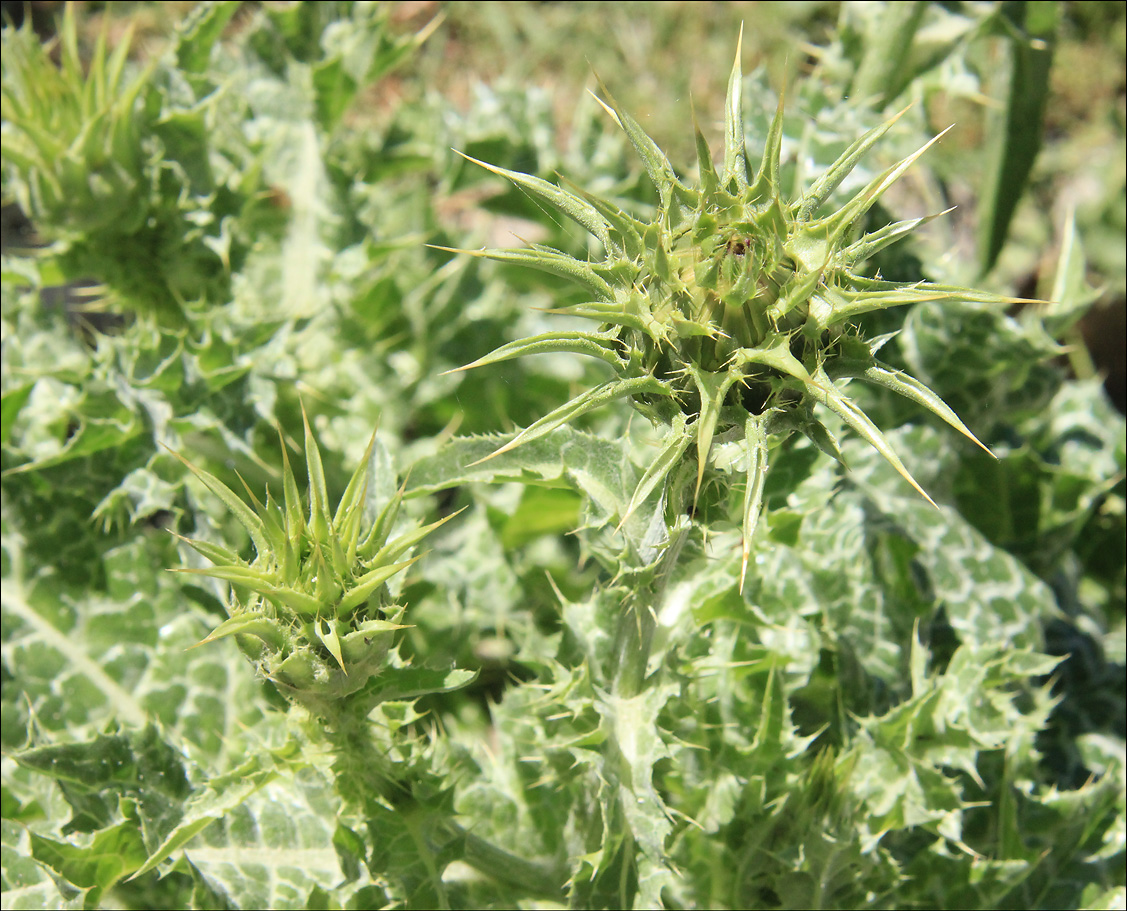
(73, 132)
(733, 311)
(312, 610)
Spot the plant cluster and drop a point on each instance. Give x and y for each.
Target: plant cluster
(787, 641)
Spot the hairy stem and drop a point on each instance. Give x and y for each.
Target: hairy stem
(633, 641)
(634, 637)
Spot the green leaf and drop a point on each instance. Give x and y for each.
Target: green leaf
(464, 460)
(871, 244)
(137, 774)
(320, 516)
(881, 74)
(603, 346)
(404, 542)
(542, 511)
(111, 856)
(11, 404)
(350, 509)
(581, 404)
(907, 386)
(575, 207)
(329, 638)
(249, 625)
(222, 794)
(1070, 297)
(28, 884)
(778, 356)
(823, 390)
(247, 857)
(673, 447)
(831, 178)
(216, 553)
(291, 499)
(766, 186)
(709, 181)
(841, 222)
(412, 682)
(735, 151)
(242, 512)
(546, 260)
(197, 34)
(304, 604)
(254, 579)
(627, 237)
(653, 159)
(600, 469)
(1016, 140)
(634, 747)
(712, 387)
(368, 583)
(755, 441)
(381, 528)
(92, 437)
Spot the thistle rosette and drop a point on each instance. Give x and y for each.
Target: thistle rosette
(312, 609)
(731, 313)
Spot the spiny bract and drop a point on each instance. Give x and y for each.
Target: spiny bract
(730, 312)
(317, 619)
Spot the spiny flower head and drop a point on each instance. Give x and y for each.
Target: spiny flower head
(312, 608)
(75, 134)
(733, 310)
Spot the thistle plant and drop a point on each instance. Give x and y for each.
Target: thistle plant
(75, 133)
(313, 609)
(152, 179)
(732, 312)
(881, 718)
(97, 161)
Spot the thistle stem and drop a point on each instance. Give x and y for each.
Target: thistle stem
(363, 775)
(634, 637)
(633, 641)
(532, 879)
